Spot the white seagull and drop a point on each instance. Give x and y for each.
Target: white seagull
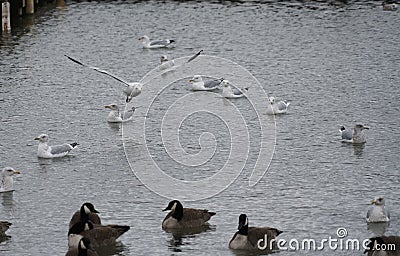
(166, 63)
(356, 136)
(378, 213)
(7, 182)
(199, 85)
(279, 107)
(155, 44)
(131, 90)
(231, 92)
(45, 151)
(116, 117)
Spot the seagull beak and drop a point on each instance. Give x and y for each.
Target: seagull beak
(373, 201)
(37, 138)
(17, 172)
(107, 106)
(366, 127)
(191, 81)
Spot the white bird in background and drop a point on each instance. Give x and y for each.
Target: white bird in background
(356, 136)
(166, 63)
(199, 85)
(228, 91)
(45, 151)
(116, 117)
(386, 6)
(131, 90)
(7, 182)
(279, 107)
(155, 44)
(378, 213)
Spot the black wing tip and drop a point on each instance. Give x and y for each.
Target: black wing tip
(74, 144)
(171, 41)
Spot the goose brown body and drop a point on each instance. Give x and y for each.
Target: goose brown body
(181, 218)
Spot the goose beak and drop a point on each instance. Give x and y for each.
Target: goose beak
(95, 211)
(166, 209)
(37, 138)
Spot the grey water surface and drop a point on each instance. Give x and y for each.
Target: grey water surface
(338, 64)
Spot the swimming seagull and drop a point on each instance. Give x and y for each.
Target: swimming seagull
(199, 85)
(386, 6)
(184, 218)
(377, 212)
(383, 246)
(45, 151)
(279, 107)
(247, 238)
(131, 90)
(84, 249)
(116, 117)
(7, 182)
(166, 63)
(4, 226)
(356, 136)
(155, 44)
(87, 211)
(231, 92)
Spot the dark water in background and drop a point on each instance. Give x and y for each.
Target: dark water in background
(336, 63)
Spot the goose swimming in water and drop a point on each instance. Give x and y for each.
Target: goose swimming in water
(7, 181)
(181, 218)
(87, 211)
(4, 226)
(45, 151)
(253, 238)
(84, 249)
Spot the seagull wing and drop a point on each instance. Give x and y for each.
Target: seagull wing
(195, 56)
(99, 70)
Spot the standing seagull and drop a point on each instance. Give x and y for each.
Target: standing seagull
(199, 85)
(184, 218)
(45, 151)
(7, 182)
(230, 92)
(155, 44)
(131, 90)
(378, 213)
(279, 107)
(116, 117)
(248, 238)
(356, 136)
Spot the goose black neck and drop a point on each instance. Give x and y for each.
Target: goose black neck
(178, 212)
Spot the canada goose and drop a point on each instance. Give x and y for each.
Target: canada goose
(230, 92)
(131, 90)
(84, 249)
(4, 226)
(45, 151)
(253, 238)
(378, 213)
(7, 182)
(199, 85)
(356, 136)
(383, 246)
(279, 107)
(87, 211)
(147, 43)
(116, 117)
(99, 235)
(180, 218)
